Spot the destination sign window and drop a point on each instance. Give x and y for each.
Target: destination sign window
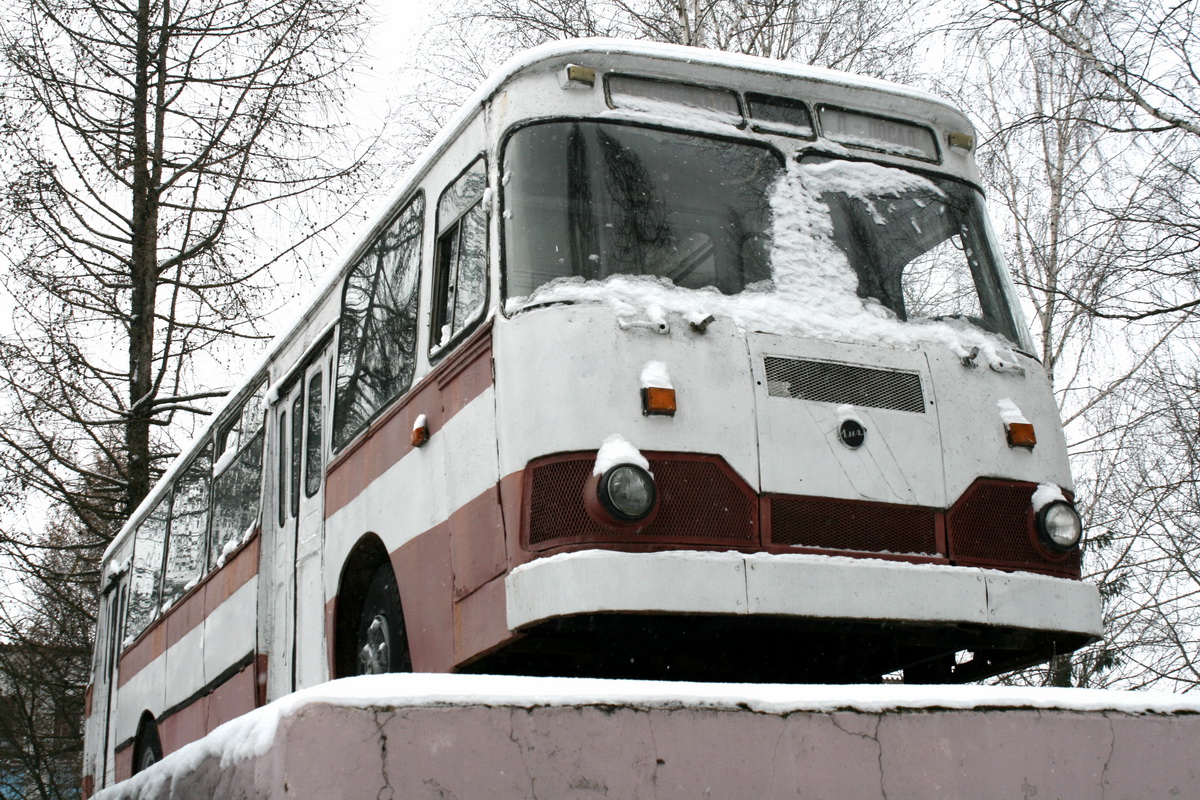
(855, 129)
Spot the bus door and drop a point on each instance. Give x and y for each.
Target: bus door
(108, 646)
(311, 662)
(277, 591)
(294, 594)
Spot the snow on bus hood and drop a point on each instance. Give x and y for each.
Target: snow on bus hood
(814, 289)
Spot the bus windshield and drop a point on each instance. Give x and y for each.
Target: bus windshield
(594, 200)
(918, 245)
(591, 201)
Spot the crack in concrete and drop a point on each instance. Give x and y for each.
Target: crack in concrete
(1112, 747)
(658, 762)
(783, 729)
(512, 737)
(871, 737)
(383, 752)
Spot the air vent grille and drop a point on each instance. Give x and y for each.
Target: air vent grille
(825, 382)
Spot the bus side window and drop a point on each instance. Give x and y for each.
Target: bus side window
(188, 532)
(238, 479)
(281, 481)
(377, 341)
(148, 546)
(460, 281)
(312, 441)
(297, 439)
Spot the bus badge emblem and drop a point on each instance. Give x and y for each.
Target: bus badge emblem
(852, 433)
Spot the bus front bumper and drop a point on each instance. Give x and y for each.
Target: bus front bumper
(806, 586)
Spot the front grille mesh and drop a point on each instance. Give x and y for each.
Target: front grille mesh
(826, 382)
(993, 525)
(851, 525)
(698, 503)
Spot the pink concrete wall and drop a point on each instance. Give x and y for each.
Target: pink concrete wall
(625, 751)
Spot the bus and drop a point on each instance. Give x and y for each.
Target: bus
(662, 363)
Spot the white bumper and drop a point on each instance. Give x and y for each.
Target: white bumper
(604, 581)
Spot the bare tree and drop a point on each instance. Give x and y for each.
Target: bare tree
(46, 626)
(144, 143)
(154, 151)
(1145, 51)
(1095, 189)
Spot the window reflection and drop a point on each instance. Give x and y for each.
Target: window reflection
(146, 582)
(187, 545)
(593, 200)
(920, 250)
(378, 328)
(461, 283)
(238, 477)
(585, 201)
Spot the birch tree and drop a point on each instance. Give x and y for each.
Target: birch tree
(1090, 143)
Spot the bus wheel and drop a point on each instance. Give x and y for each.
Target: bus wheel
(382, 642)
(148, 750)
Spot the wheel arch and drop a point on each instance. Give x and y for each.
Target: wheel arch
(367, 555)
(147, 736)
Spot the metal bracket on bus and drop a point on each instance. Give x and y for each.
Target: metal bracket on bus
(1007, 367)
(661, 326)
(968, 360)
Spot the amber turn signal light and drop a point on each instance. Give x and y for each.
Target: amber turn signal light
(420, 431)
(658, 401)
(1020, 434)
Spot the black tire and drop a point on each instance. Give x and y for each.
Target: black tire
(382, 644)
(149, 748)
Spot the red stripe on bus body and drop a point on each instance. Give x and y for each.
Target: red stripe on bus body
(451, 580)
(228, 700)
(460, 378)
(191, 611)
(123, 761)
(436, 570)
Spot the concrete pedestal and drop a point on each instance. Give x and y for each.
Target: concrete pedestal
(479, 737)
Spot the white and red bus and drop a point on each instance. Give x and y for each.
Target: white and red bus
(662, 363)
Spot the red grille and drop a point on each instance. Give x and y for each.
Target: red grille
(852, 525)
(700, 501)
(703, 502)
(992, 525)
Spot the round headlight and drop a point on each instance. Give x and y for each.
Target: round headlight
(627, 492)
(1059, 526)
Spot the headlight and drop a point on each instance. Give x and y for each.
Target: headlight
(627, 492)
(1059, 527)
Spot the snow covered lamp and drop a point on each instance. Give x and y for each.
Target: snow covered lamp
(1059, 526)
(658, 395)
(574, 76)
(420, 430)
(621, 492)
(1017, 429)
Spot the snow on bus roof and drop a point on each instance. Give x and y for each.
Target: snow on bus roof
(698, 55)
(253, 734)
